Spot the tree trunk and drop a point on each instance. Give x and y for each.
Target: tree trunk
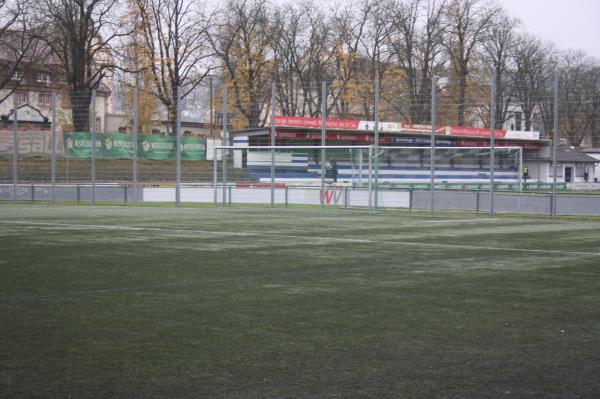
(462, 83)
(80, 110)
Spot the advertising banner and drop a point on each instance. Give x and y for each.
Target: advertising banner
(79, 145)
(118, 145)
(394, 127)
(157, 147)
(193, 148)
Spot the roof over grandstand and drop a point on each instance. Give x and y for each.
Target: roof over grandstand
(360, 126)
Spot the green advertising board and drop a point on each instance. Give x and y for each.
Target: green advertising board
(193, 148)
(118, 145)
(157, 147)
(79, 145)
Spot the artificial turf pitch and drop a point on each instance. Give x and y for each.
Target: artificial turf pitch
(195, 302)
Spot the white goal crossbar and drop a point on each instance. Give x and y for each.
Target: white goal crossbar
(376, 170)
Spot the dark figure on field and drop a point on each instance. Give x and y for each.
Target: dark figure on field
(334, 170)
(331, 171)
(525, 174)
(586, 176)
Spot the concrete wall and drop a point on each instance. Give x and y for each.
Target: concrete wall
(454, 200)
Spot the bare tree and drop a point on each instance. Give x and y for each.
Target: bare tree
(578, 89)
(467, 21)
(81, 34)
(498, 47)
(376, 56)
(533, 74)
(416, 41)
(350, 25)
(176, 47)
(304, 52)
(242, 42)
(593, 111)
(20, 44)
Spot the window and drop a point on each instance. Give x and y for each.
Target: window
(45, 99)
(17, 75)
(22, 97)
(43, 77)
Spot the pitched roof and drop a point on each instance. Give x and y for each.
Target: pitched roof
(573, 155)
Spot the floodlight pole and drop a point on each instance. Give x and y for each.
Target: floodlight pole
(134, 133)
(93, 146)
(15, 145)
(215, 172)
(323, 139)
(433, 131)
(370, 179)
(273, 144)
(224, 140)
(520, 169)
(53, 166)
(555, 142)
(492, 137)
(376, 134)
(212, 133)
(178, 148)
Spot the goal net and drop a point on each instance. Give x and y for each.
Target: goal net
(348, 175)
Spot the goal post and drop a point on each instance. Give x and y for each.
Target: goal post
(284, 175)
(279, 173)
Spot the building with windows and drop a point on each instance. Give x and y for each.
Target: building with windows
(573, 166)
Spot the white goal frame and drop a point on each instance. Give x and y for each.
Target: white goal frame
(373, 152)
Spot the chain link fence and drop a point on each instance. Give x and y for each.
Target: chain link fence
(426, 135)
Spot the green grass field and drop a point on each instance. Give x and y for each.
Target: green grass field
(159, 302)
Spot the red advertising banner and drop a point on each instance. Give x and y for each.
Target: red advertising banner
(315, 123)
(393, 127)
(475, 132)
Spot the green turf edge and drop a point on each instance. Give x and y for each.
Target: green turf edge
(329, 208)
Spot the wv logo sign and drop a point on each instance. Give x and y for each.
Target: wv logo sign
(331, 197)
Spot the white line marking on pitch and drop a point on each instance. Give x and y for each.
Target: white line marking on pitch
(78, 226)
(461, 220)
(313, 238)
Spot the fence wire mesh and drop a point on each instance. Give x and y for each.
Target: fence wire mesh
(397, 111)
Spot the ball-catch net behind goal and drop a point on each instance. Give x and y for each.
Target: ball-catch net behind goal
(283, 175)
(347, 175)
(452, 167)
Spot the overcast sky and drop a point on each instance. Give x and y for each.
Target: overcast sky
(568, 23)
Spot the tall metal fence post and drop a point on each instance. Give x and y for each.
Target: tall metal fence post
(370, 179)
(178, 149)
(215, 173)
(134, 170)
(492, 137)
(376, 134)
(323, 139)
(53, 149)
(93, 122)
(520, 169)
(555, 139)
(433, 131)
(210, 99)
(273, 144)
(224, 142)
(15, 145)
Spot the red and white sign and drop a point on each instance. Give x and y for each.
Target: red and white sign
(394, 127)
(330, 124)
